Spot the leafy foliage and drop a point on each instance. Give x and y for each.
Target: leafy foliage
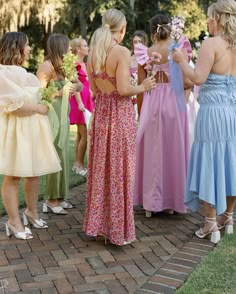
(39, 18)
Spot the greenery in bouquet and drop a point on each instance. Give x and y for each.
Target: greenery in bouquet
(69, 66)
(48, 93)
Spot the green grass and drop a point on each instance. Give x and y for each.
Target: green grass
(74, 178)
(216, 274)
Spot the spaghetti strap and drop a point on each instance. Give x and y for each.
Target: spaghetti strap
(108, 52)
(222, 56)
(92, 62)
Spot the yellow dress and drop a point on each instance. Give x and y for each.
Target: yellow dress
(26, 145)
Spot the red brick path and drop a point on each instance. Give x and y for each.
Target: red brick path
(62, 259)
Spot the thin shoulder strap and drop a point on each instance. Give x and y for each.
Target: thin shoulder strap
(222, 56)
(92, 59)
(108, 52)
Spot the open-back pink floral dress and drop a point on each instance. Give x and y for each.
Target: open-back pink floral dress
(111, 165)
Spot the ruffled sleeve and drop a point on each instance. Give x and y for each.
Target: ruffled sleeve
(16, 86)
(141, 53)
(184, 43)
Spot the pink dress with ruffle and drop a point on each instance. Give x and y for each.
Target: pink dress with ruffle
(162, 147)
(77, 116)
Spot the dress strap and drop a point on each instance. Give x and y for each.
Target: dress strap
(108, 52)
(222, 56)
(92, 61)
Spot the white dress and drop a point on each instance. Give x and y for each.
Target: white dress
(26, 146)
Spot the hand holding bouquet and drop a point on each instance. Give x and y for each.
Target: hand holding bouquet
(150, 64)
(48, 93)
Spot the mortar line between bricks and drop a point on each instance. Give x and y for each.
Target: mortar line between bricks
(158, 275)
(205, 245)
(149, 291)
(179, 265)
(164, 285)
(184, 259)
(169, 270)
(192, 248)
(190, 254)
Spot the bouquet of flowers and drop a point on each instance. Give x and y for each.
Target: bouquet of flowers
(48, 98)
(177, 28)
(134, 82)
(68, 65)
(48, 93)
(150, 64)
(154, 59)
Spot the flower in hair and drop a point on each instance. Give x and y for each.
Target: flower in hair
(162, 26)
(177, 27)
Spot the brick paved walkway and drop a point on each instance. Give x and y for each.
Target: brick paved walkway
(62, 259)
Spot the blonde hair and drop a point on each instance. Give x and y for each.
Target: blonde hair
(102, 39)
(225, 11)
(76, 43)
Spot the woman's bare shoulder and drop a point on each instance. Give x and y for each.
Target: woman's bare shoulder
(118, 49)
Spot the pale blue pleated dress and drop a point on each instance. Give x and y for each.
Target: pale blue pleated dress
(212, 166)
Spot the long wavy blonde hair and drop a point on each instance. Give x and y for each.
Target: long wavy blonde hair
(12, 47)
(76, 43)
(224, 12)
(112, 22)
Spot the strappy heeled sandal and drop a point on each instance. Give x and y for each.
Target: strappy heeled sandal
(229, 228)
(54, 209)
(215, 235)
(36, 223)
(26, 235)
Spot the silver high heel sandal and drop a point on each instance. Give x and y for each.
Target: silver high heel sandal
(26, 235)
(215, 235)
(36, 223)
(54, 209)
(229, 228)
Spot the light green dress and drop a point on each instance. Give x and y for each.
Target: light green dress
(57, 184)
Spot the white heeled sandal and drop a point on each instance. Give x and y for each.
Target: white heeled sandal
(229, 228)
(215, 235)
(36, 223)
(26, 235)
(54, 209)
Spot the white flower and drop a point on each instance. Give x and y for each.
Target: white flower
(177, 27)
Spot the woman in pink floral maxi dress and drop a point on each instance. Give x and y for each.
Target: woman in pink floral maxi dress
(110, 178)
